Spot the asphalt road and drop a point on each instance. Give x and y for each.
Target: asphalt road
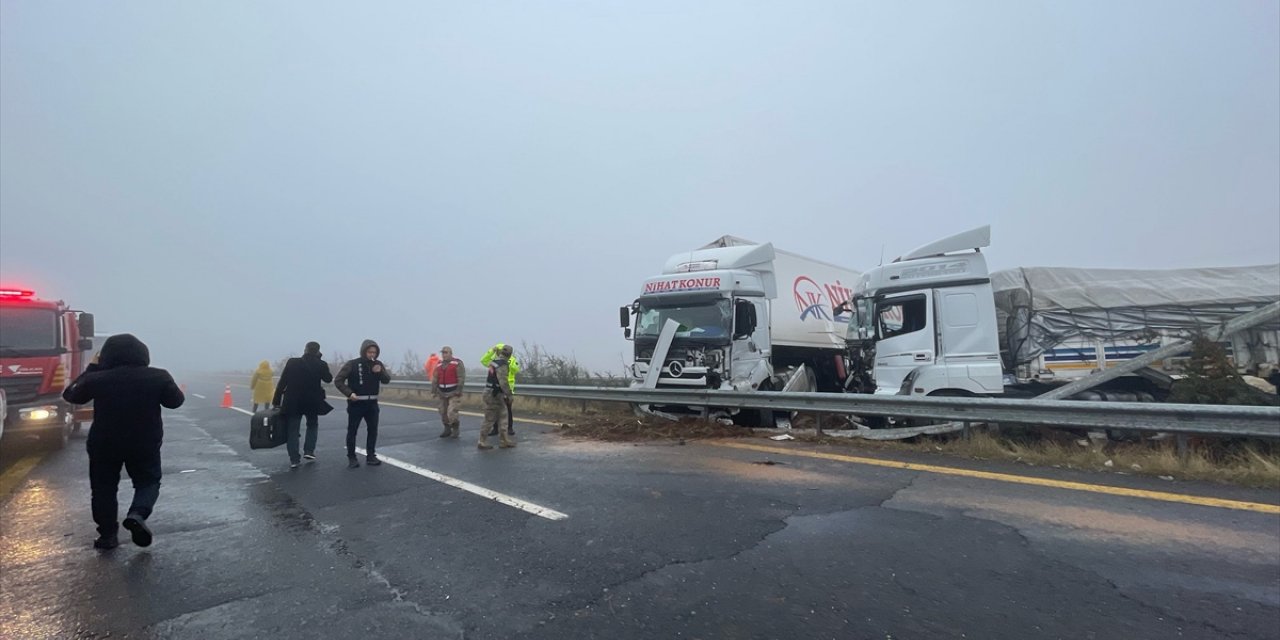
(706, 540)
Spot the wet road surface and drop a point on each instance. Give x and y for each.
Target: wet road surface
(659, 541)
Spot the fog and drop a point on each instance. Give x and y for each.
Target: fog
(229, 180)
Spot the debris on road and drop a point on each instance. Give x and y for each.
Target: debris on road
(785, 436)
(633, 428)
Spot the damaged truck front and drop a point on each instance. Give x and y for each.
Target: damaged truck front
(713, 320)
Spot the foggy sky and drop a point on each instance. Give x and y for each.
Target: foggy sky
(228, 180)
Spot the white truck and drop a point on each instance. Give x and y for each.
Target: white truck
(935, 322)
(738, 315)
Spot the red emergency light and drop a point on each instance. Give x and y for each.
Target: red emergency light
(21, 294)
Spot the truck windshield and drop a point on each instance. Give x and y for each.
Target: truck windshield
(861, 327)
(712, 320)
(25, 331)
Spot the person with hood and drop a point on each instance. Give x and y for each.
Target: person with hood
(260, 385)
(300, 393)
(433, 361)
(127, 431)
(446, 384)
(497, 399)
(513, 367)
(359, 380)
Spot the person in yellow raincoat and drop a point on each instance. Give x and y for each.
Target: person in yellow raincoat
(261, 386)
(513, 367)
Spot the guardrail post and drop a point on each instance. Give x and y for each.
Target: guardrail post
(819, 423)
(1184, 448)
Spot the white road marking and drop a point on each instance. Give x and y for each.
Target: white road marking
(199, 396)
(244, 411)
(510, 501)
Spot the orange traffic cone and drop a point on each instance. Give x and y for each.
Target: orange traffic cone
(226, 398)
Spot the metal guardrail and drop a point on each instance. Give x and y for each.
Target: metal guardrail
(1192, 419)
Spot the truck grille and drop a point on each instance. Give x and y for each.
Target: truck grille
(20, 390)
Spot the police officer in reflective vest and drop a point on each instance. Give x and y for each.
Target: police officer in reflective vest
(497, 400)
(446, 384)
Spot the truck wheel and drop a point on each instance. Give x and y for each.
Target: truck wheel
(766, 418)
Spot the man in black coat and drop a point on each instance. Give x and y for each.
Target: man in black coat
(299, 393)
(127, 394)
(360, 380)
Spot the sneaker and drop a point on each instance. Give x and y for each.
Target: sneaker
(372, 461)
(106, 542)
(294, 465)
(138, 527)
(481, 445)
(309, 457)
(352, 462)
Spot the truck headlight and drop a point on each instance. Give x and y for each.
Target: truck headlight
(38, 414)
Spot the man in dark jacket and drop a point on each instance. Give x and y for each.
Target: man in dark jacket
(359, 380)
(127, 394)
(299, 393)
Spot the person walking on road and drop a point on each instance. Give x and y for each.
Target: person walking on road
(359, 380)
(497, 399)
(127, 431)
(513, 367)
(260, 385)
(446, 384)
(300, 394)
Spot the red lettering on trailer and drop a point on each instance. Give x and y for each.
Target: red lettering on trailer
(682, 284)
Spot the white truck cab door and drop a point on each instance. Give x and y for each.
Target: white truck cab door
(905, 332)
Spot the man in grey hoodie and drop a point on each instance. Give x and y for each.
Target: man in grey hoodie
(360, 380)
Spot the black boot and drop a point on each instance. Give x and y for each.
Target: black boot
(106, 542)
(352, 462)
(494, 430)
(138, 527)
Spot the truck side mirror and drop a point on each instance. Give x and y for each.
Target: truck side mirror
(626, 333)
(744, 319)
(624, 317)
(85, 344)
(85, 324)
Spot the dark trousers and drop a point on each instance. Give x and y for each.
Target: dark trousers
(292, 429)
(368, 411)
(142, 462)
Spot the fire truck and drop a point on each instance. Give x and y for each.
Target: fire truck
(44, 344)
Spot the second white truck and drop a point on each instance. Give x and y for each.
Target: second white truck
(936, 322)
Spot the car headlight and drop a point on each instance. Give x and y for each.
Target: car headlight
(37, 414)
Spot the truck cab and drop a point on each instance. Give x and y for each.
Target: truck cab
(43, 346)
(925, 324)
(715, 320)
(711, 303)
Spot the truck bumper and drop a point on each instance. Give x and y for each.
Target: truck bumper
(37, 420)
